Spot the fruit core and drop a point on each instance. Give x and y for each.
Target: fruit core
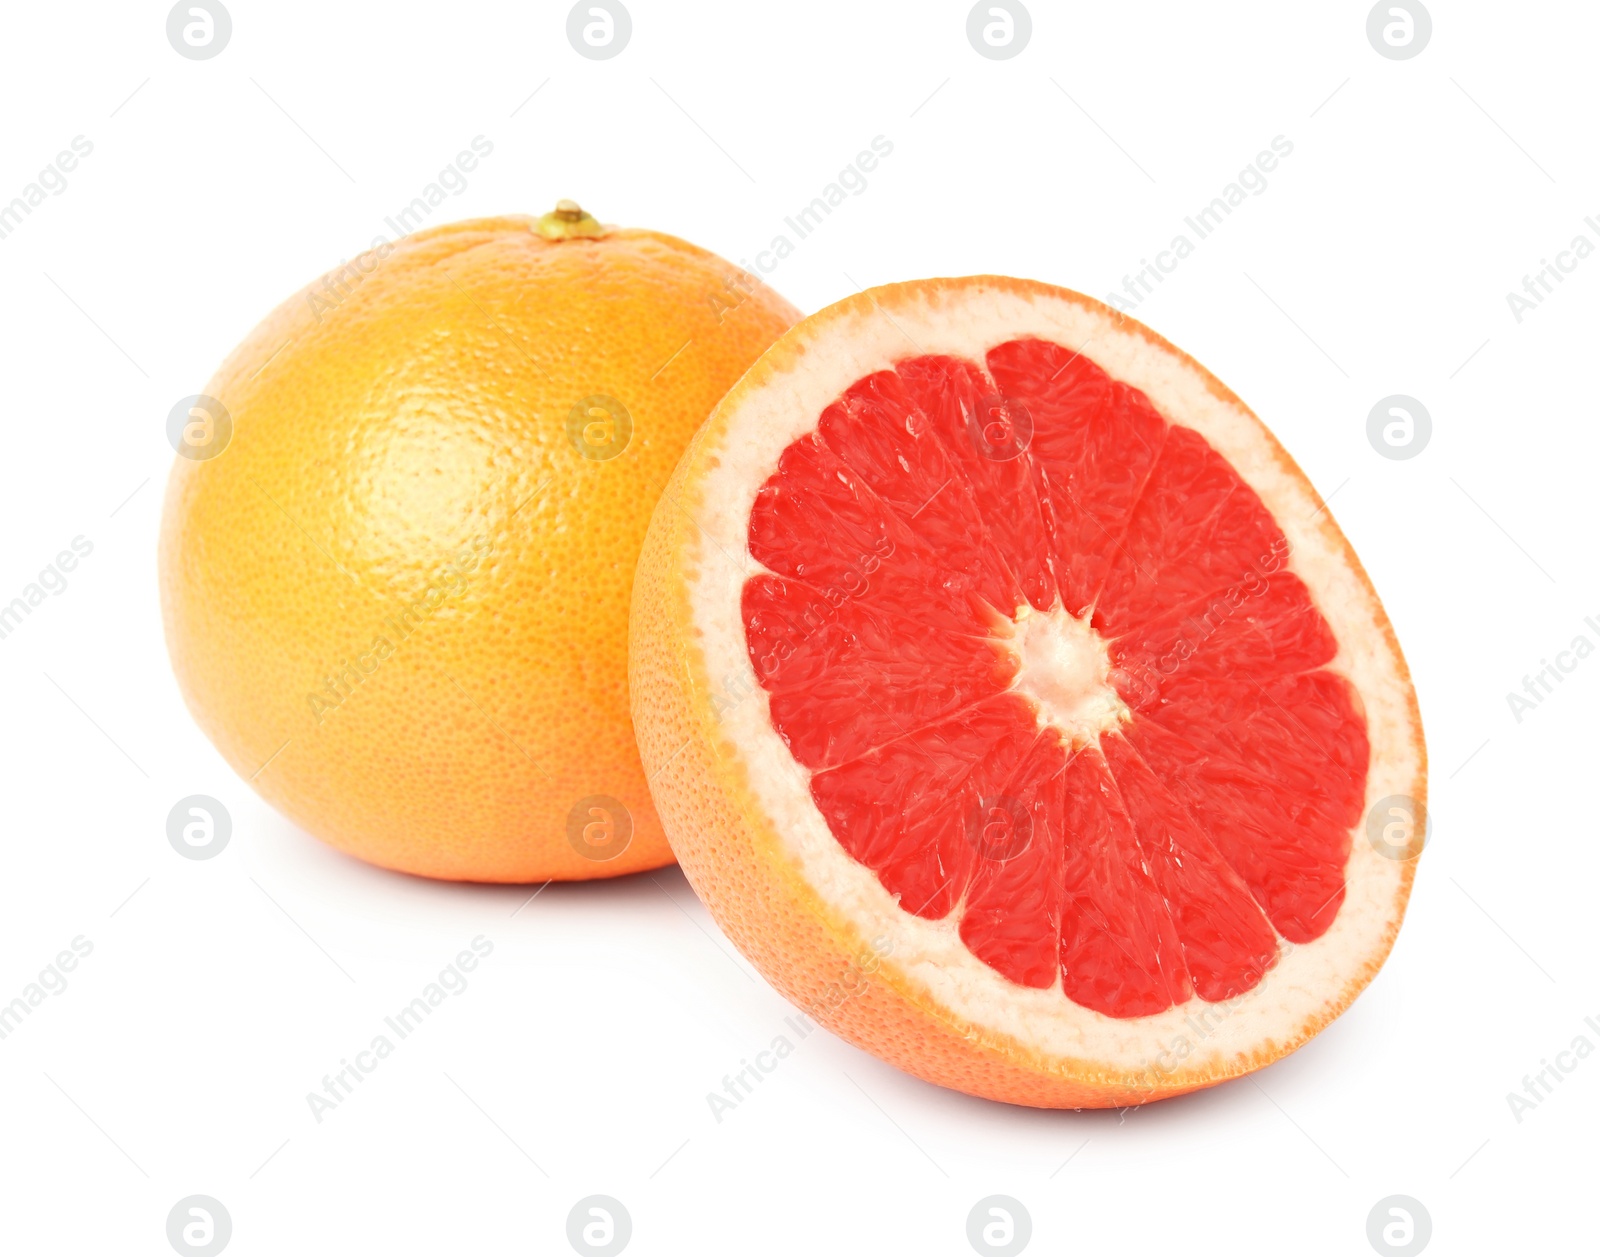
(1064, 667)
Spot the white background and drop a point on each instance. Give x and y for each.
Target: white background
(219, 993)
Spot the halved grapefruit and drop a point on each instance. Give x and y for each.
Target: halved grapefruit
(1015, 705)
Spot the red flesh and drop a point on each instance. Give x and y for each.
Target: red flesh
(931, 503)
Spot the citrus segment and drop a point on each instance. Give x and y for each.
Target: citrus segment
(1119, 948)
(904, 809)
(977, 429)
(1227, 943)
(1091, 442)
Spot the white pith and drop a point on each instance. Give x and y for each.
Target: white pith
(929, 956)
(1065, 669)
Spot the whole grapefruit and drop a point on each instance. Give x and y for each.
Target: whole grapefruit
(397, 549)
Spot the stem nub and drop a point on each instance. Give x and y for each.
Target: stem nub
(569, 221)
